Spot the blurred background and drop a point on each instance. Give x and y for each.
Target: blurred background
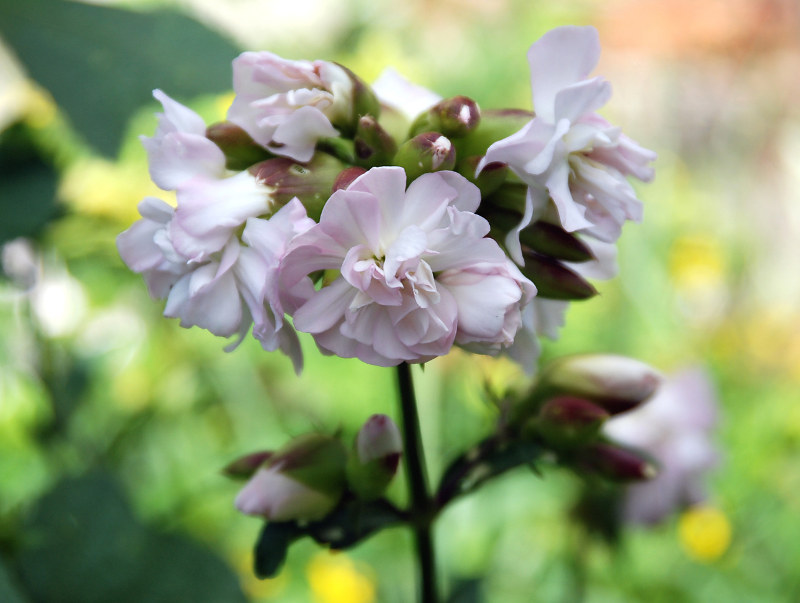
(115, 422)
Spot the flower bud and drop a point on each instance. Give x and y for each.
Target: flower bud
(489, 180)
(566, 421)
(246, 466)
(454, 117)
(362, 102)
(552, 240)
(378, 448)
(373, 145)
(495, 124)
(302, 481)
(347, 176)
(310, 182)
(428, 152)
(553, 280)
(616, 463)
(616, 383)
(240, 150)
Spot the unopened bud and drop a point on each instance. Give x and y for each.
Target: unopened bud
(239, 148)
(310, 182)
(428, 152)
(304, 480)
(362, 101)
(616, 383)
(566, 421)
(454, 117)
(552, 240)
(247, 465)
(378, 448)
(372, 144)
(616, 463)
(347, 176)
(495, 125)
(489, 180)
(553, 280)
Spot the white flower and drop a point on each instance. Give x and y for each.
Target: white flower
(287, 106)
(567, 152)
(417, 272)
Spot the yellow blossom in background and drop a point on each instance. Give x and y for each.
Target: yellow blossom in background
(697, 269)
(704, 532)
(336, 579)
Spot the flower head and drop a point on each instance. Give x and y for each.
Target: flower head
(286, 106)
(567, 152)
(416, 272)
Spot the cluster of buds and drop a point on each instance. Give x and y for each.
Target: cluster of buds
(307, 478)
(387, 222)
(572, 400)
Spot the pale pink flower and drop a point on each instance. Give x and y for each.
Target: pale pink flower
(278, 497)
(179, 151)
(287, 106)
(416, 271)
(567, 152)
(675, 426)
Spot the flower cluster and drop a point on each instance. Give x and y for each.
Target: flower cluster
(388, 244)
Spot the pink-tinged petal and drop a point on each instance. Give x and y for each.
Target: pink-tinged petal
(517, 149)
(571, 214)
(560, 58)
(603, 267)
(214, 306)
(410, 99)
(353, 218)
(178, 117)
(387, 184)
(325, 308)
(156, 210)
(553, 151)
(209, 211)
(277, 497)
(409, 245)
(426, 202)
(628, 157)
(136, 246)
(483, 300)
(536, 201)
(179, 157)
(468, 196)
(297, 135)
(581, 98)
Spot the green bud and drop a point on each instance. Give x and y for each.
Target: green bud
(616, 463)
(362, 102)
(314, 459)
(378, 448)
(347, 176)
(246, 466)
(489, 180)
(454, 117)
(552, 240)
(310, 182)
(567, 422)
(495, 125)
(428, 152)
(372, 144)
(553, 280)
(240, 150)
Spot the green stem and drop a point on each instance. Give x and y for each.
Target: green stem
(422, 508)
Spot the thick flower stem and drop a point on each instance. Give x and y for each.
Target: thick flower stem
(421, 510)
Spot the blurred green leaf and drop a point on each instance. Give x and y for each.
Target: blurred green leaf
(101, 64)
(467, 590)
(83, 544)
(8, 591)
(27, 186)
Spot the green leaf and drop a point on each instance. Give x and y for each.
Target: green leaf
(273, 546)
(101, 64)
(8, 590)
(83, 544)
(27, 187)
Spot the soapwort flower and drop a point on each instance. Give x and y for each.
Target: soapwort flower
(567, 152)
(415, 272)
